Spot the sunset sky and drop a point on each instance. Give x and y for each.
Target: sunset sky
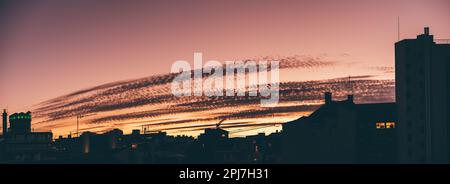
(49, 49)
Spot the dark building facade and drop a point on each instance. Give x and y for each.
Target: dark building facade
(342, 132)
(5, 122)
(20, 144)
(214, 146)
(376, 132)
(20, 122)
(422, 88)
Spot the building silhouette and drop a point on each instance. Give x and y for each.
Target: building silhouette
(342, 132)
(5, 122)
(213, 146)
(20, 122)
(422, 87)
(415, 129)
(20, 143)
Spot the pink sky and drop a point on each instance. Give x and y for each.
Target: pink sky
(51, 48)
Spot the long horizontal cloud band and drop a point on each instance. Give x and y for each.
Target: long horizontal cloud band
(125, 97)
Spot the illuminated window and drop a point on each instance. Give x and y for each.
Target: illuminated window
(383, 125)
(380, 125)
(390, 125)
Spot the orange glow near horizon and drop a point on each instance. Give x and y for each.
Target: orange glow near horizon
(53, 48)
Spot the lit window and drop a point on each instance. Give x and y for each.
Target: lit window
(383, 125)
(390, 125)
(380, 125)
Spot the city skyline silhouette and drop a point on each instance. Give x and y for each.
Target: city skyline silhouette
(91, 82)
(119, 44)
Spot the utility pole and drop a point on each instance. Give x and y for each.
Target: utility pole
(78, 117)
(78, 123)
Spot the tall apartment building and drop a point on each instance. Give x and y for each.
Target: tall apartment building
(422, 68)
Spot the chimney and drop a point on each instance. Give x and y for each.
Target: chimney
(426, 31)
(5, 122)
(328, 97)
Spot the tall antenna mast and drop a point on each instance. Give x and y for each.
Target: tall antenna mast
(398, 28)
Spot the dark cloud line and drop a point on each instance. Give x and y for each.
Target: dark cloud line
(292, 91)
(122, 86)
(162, 108)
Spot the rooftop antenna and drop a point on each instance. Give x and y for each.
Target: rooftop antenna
(398, 28)
(78, 124)
(78, 121)
(350, 85)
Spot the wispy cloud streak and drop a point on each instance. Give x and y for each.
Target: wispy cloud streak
(149, 101)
